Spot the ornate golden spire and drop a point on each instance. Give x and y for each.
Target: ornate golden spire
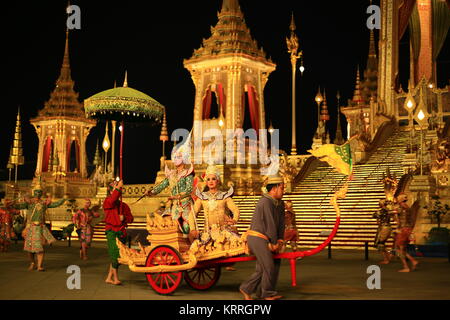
(324, 113)
(17, 151)
(231, 6)
(97, 158)
(164, 134)
(230, 36)
(339, 138)
(292, 27)
(357, 98)
(63, 100)
(125, 81)
(369, 86)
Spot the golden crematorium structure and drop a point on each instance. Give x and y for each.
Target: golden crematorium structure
(399, 136)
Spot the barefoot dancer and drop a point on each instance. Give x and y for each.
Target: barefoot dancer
(36, 233)
(404, 217)
(83, 219)
(116, 219)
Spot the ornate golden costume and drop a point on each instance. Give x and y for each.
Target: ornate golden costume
(214, 208)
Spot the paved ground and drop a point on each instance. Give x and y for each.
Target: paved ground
(343, 277)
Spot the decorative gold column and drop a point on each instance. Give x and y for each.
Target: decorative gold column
(113, 149)
(292, 44)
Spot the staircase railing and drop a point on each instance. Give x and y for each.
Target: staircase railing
(385, 130)
(309, 166)
(338, 185)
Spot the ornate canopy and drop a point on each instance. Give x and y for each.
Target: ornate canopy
(124, 104)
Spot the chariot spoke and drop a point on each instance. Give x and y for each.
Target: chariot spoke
(171, 279)
(167, 283)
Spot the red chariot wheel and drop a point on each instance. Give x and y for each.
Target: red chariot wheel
(164, 282)
(202, 278)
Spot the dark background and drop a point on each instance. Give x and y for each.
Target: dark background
(150, 39)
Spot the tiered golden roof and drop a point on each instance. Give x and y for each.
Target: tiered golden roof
(63, 100)
(357, 97)
(16, 156)
(369, 86)
(230, 36)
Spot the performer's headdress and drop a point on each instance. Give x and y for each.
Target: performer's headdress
(212, 169)
(183, 149)
(38, 185)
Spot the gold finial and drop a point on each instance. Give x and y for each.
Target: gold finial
(293, 27)
(164, 134)
(125, 82)
(17, 152)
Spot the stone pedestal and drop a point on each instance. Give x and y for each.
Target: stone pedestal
(409, 162)
(422, 187)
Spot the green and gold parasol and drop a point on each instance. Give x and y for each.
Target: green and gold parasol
(124, 104)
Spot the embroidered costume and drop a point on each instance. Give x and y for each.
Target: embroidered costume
(36, 232)
(83, 219)
(6, 225)
(384, 231)
(180, 184)
(215, 206)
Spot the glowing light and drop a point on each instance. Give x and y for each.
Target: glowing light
(421, 115)
(120, 128)
(409, 104)
(106, 145)
(220, 123)
(302, 69)
(319, 98)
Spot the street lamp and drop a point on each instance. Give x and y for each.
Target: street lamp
(421, 117)
(271, 130)
(319, 99)
(293, 49)
(106, 144)
(410, 105)
(221, 122)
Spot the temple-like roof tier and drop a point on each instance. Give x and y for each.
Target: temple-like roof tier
(230, 36)
(63, 100)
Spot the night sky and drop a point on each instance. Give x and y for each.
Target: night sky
(150, 39)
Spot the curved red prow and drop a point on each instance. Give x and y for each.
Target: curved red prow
(307, 253)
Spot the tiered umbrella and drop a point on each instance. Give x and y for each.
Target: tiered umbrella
(126, 105)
